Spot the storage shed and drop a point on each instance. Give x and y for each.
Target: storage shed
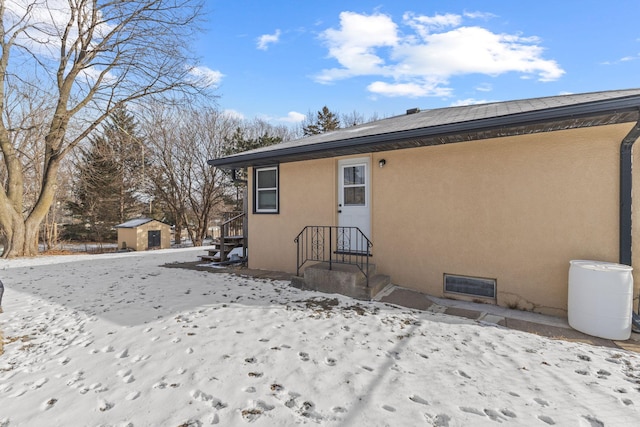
(144, 233)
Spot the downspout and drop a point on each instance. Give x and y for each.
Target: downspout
(626, 181)
(626, 186)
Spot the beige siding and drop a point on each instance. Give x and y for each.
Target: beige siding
(138, 238)
(515, 209)
(127, 238)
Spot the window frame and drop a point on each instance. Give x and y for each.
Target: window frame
(364, 184)
(256, 190)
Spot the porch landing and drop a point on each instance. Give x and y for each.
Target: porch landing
(341, 279)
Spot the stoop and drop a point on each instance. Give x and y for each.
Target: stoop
(344, 279)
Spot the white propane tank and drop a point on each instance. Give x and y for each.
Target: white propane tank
(600, 299)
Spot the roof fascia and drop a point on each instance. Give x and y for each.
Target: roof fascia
(368, 143)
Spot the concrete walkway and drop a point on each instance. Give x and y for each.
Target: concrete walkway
(548, 326)
(526, 321)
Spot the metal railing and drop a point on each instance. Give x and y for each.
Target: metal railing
(333, 245)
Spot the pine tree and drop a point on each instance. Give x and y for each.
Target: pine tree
(325, 121)
(109, 178)
(239, 142)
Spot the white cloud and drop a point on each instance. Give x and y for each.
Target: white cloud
(420, 58)
(292, 117)
(478, 15)
(484, 87)
(424, 25)
(234, 114)
(266, 39)
(210, 77)
(469, 101)
(410, 90)
(354, 45)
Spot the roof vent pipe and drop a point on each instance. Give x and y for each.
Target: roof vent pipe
(413, 111)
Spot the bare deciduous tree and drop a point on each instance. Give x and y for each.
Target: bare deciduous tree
(179, 143)
(87, 58)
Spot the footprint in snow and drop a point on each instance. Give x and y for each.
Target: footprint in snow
(463, 374)
(208, 399)
(49, 403)
(39, 383)
(546, 419)
(494, 415)
(103, 405)
(541, 402)
(508, 413)
(304, 356)
(139, 358)
(259, 408)
(440, 420)
(418, 399)
(470, 410)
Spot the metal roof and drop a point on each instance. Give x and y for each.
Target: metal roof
(133, 223)
(452, 124)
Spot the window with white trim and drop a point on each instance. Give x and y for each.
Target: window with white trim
(266, 190)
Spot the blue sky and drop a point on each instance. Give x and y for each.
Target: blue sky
(280, 59)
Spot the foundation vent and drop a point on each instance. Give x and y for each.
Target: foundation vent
(470, 286)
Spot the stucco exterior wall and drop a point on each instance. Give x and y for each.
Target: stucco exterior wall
(127, 238)
(514, 209)
(307, 197)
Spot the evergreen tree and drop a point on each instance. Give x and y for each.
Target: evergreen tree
(325, 121)
(110, 177)
(239, 142)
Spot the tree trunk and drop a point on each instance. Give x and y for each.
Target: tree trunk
(22, 233)
(177, 237)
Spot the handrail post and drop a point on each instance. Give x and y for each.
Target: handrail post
(367, 243)
(297, 257)
(330, 250)
(223, 233)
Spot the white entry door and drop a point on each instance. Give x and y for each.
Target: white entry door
(354, 207)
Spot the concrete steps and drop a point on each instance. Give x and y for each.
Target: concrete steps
(341, 279)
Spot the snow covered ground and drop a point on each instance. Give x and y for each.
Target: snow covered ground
(118, 340)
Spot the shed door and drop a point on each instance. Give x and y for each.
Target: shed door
(154, 239)
(353, 201)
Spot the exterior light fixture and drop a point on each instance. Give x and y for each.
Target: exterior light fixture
(382, 162)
